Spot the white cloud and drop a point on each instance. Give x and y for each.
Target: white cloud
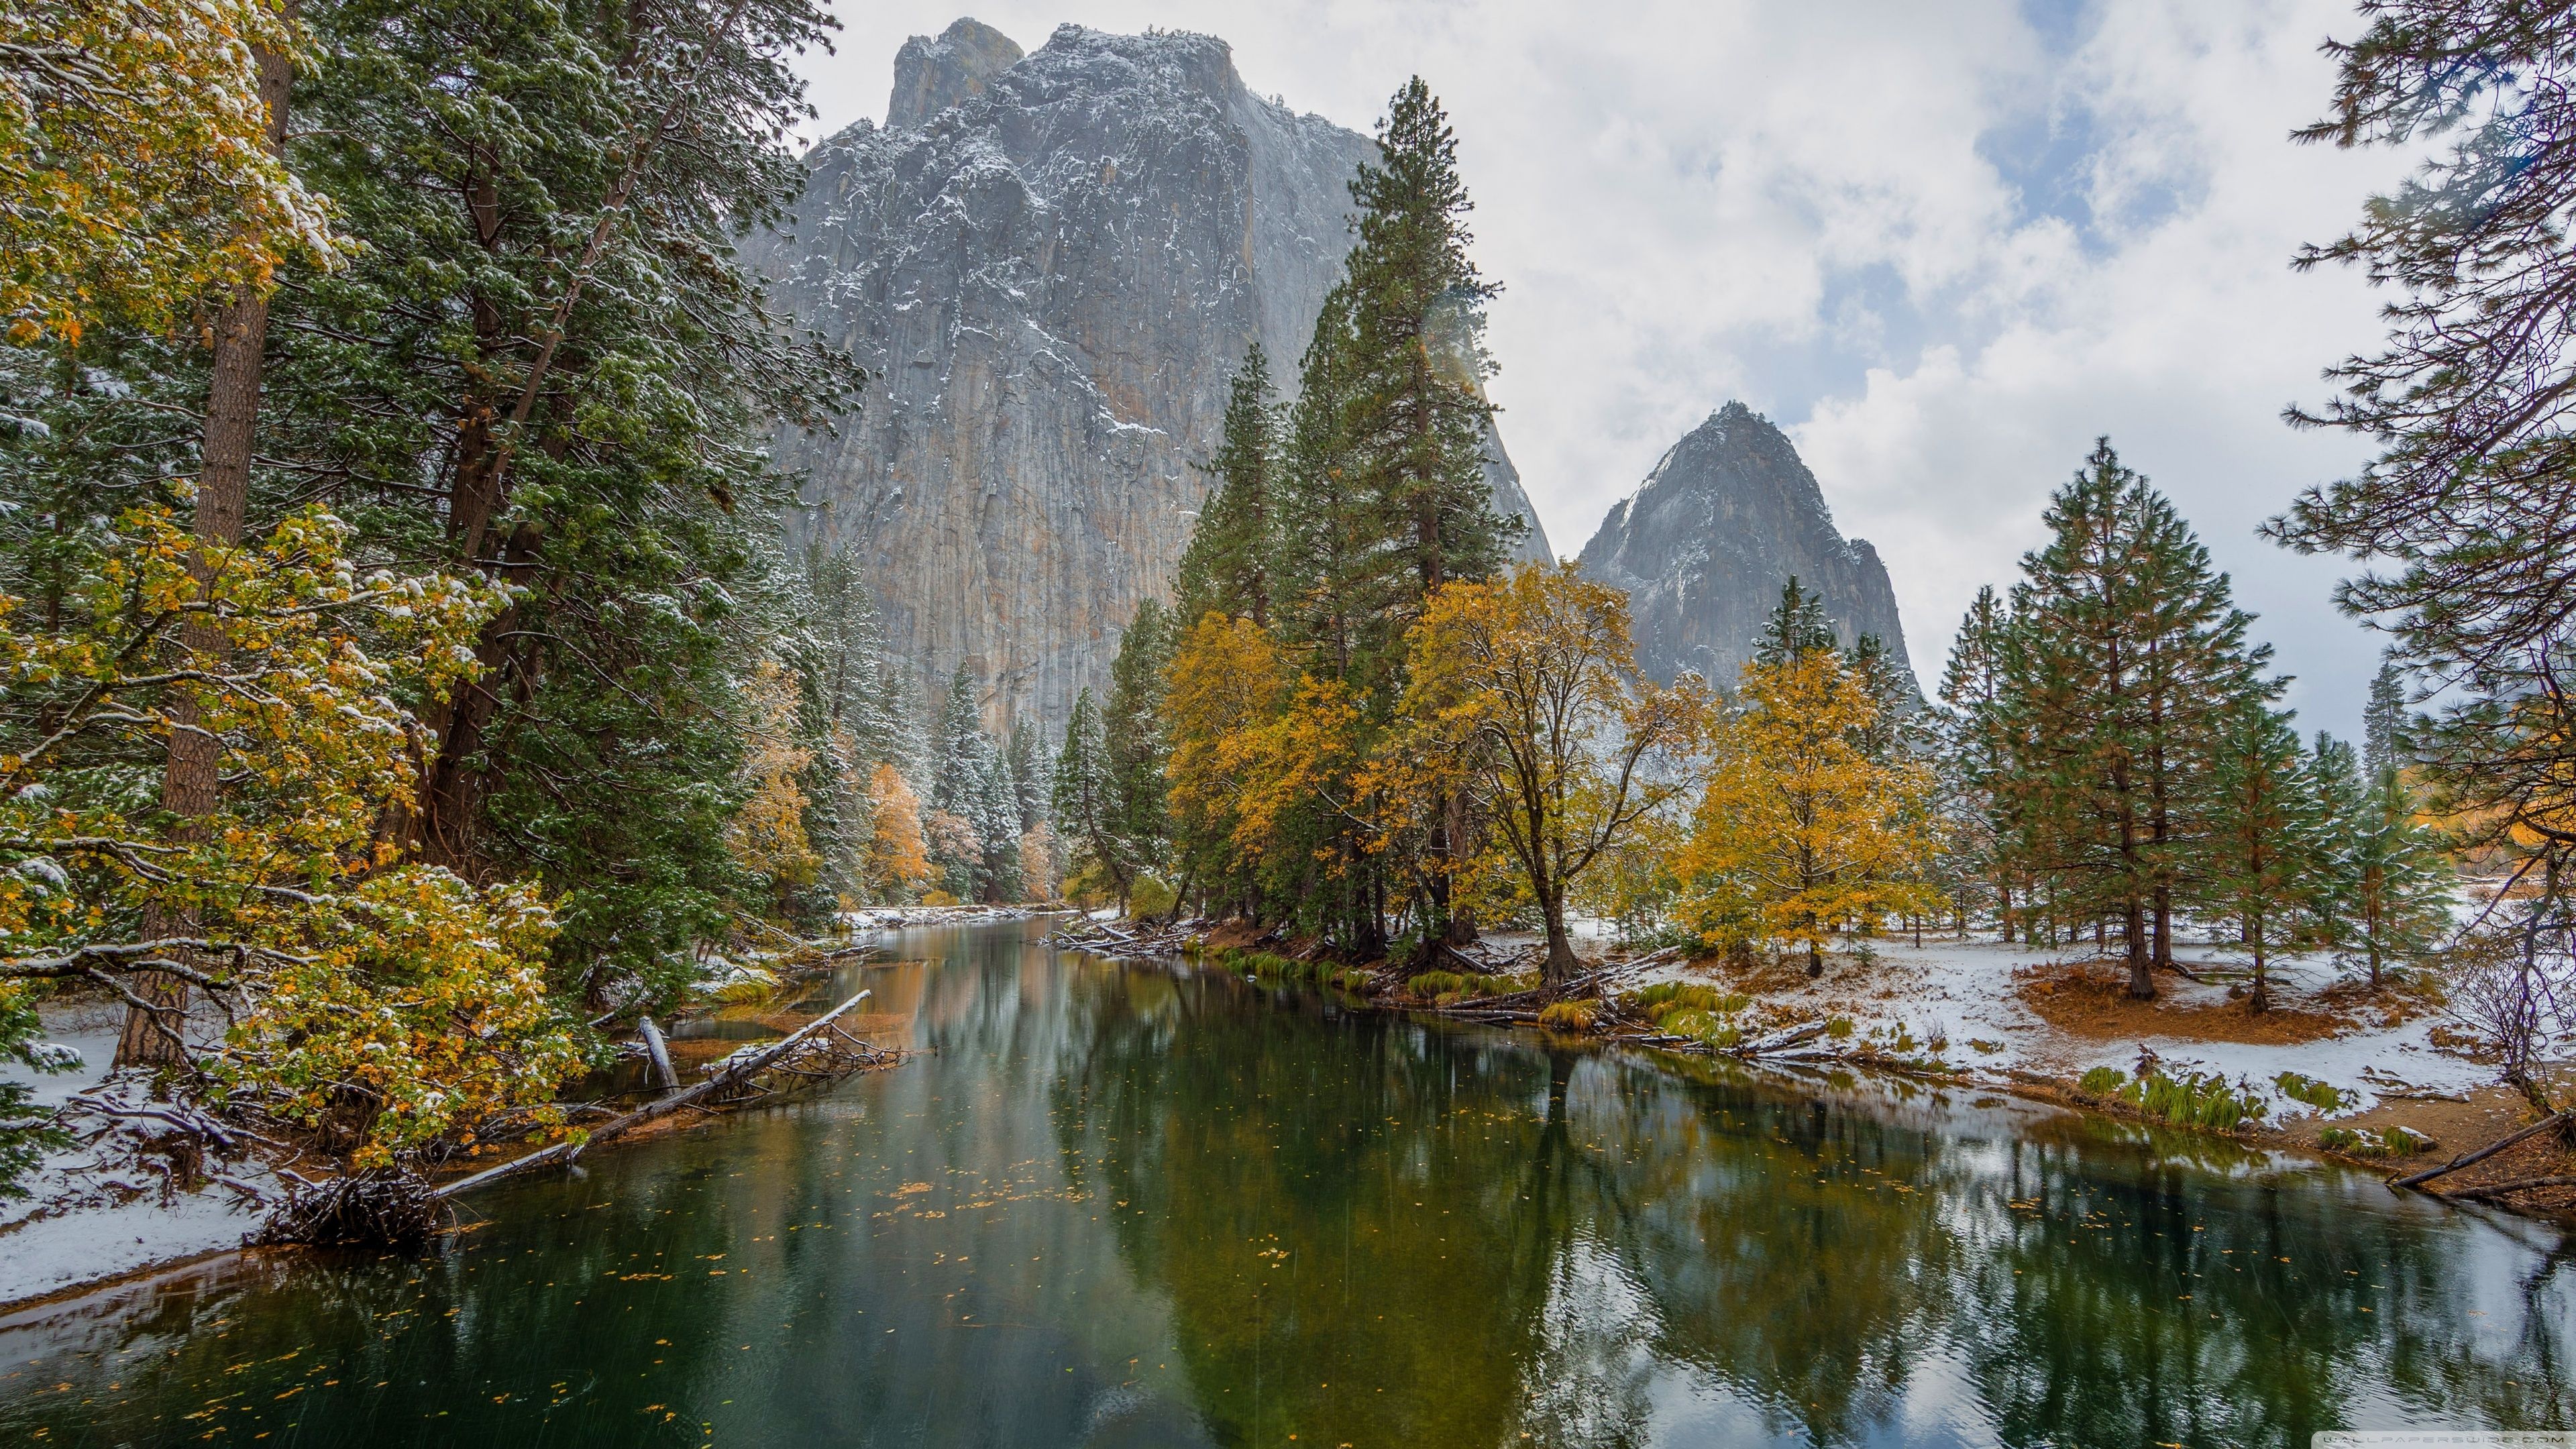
(1945, 245)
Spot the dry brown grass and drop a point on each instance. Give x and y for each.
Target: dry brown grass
(2094, 1003)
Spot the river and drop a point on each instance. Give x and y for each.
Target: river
(1142, 1205)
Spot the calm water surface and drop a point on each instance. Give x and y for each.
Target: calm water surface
(1134, 1206)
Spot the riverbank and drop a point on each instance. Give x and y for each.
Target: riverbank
(2385, 1079)
(128, 1198)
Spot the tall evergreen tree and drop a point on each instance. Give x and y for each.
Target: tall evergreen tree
(1227, 566)
(1032, 775)
(2265, 862)
(1083, 800)
(546, 364)
(2383, 721)
(2128, 652)
(1417, 415)
(1132, 728)
(957, 790)
(1796, 627)
(1979, 765)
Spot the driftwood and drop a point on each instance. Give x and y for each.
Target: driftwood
(2489, 1194)
(658, 1053)
(795, 1054)
(2471, 1159)
(1138, 939)
(1779, 1040)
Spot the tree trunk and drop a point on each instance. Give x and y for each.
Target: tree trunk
(2261, 1000)
(1561, 962)
(190, 774)
(2142, 980)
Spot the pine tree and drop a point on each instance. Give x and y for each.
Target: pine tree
(1797, 627)
(1227, 566)
(1892, 727)
(2383, 721)
(2127, 651)
(957, 791)
(1032, 773)
(1415, 423)
(1978, 762)
(997, 824)
(2265, 837)
(1083, 799)
(1135, 747)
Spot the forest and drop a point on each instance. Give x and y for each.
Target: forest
(406, 665)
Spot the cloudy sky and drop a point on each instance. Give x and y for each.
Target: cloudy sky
(1944, 245)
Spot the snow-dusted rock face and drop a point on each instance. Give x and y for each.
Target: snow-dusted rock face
(1052, 263)
(1704, 545)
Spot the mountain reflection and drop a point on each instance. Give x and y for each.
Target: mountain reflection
(1125, 1206)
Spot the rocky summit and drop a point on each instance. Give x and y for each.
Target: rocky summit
(1703, 547)
(1051, 263)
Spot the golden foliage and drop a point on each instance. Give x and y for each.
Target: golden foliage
(1801, 833)
(1525, 694)
(389, 1001)
(768, 835)
(134, 161)
(898, 861)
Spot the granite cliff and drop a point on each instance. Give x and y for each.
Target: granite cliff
(1703, 546)
(1052, 263)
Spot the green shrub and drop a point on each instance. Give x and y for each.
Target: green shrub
(1567, 1015)
(2311, 1091)
(2202, 1099)
(1436, 984)
(2363, 1142)
(2103, 1081)
(1665, 997)
(1150, 897)
(1839, 1028)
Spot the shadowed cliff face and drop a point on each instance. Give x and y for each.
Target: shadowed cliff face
(1052, 264)
(1704, 545)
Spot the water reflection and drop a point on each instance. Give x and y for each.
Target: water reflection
(1114, 1206)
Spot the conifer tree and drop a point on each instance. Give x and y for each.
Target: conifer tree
(2265, 856)
(957, 791)
(2383, 721)
(1032, 775)
(1796, 628)
(1227, 566)
(1133, 732)
(1416, 418)
(2128, 652)
(1978, 761)
(1083, 799)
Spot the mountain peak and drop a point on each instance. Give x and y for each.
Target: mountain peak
(1728, 515)
(932, 75)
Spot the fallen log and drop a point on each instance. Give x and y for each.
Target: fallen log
(1779, 1040)
(659, 1052)
(2490, 1194)
(733, 1073)
(2471, 1159)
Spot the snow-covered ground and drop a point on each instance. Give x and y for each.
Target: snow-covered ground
(1963, 993)
(91, 1214)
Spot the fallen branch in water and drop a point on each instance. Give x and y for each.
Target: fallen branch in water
(2471, 1159)
(1779, 1040)
(734, 1074)
(1140, 939)
(2489, 1194)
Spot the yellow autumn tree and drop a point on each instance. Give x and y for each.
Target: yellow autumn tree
(1525, 695)
(1801, 833)
(768, 836)
(384, 1003)
(898, 860)
(136, 162)
(1222, 694)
